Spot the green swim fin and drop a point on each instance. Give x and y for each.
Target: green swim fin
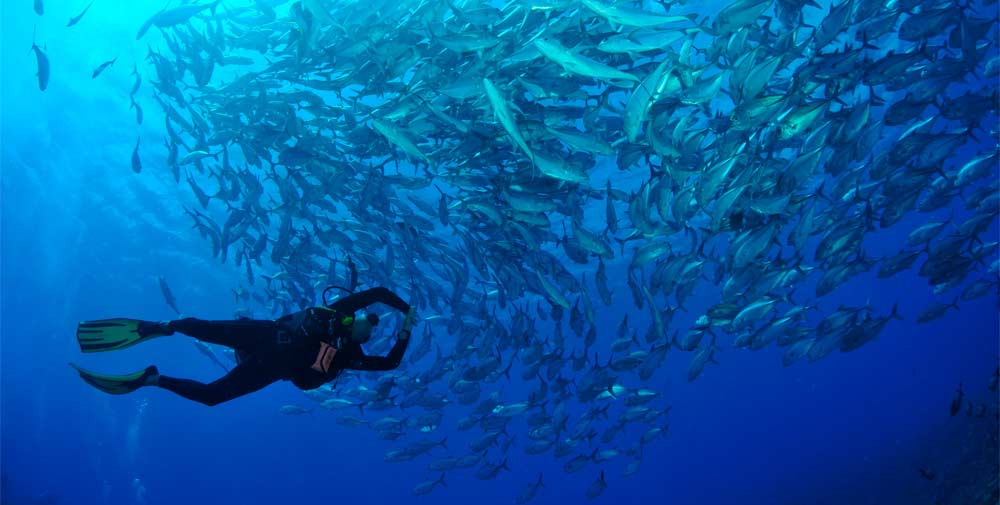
(116, 384)
(114, 334)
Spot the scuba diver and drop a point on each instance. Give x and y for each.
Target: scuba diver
(310, 347)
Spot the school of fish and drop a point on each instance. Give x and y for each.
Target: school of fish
(559, 185)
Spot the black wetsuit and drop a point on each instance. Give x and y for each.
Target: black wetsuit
(309, 348)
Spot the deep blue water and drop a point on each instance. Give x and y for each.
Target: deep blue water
(83, 238)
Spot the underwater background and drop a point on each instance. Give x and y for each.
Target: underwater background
(83, 236)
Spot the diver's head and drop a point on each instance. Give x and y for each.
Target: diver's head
(361, 329)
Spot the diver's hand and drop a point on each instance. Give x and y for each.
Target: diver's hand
(411, 319)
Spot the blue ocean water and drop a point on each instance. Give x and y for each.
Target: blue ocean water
(83, 237)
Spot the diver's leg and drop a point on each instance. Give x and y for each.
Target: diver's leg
(246, 378)
(240, 334)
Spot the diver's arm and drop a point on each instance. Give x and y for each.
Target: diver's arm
(354, 302)
(381, 363)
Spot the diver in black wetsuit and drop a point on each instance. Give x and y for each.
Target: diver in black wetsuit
(309, 348)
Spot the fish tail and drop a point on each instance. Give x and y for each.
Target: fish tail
(711, 356)
(875, 99)
(713, 348)
(821, 194)
(940, 171)
(610, 390)
(930, 54)
(970, 133)
(865, 44)
(895, 312)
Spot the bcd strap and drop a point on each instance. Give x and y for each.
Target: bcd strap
(284, 337)
(324, 358)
